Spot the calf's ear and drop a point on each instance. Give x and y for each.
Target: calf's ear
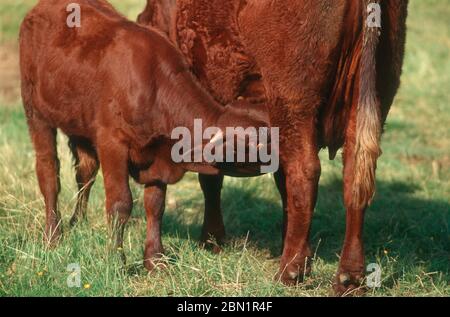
(146, 16)
(160, 14)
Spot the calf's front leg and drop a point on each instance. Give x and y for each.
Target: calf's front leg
(154, 201)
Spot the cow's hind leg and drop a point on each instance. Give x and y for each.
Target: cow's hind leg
(47, 169)
(351, 266)
(154, 201)
(301, 167)
(361, 152)
(86, 166)
(113, 156)
(213, 231)
(280, 181)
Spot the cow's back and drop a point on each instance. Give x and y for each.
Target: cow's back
(208, 35)
(217, 38)
(298, 49)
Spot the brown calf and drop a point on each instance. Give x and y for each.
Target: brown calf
(330, 80)
(117, 90)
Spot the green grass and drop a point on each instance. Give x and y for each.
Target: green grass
(406, 233)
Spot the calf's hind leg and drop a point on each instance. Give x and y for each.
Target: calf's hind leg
(113, 156)
(47, 169)
(86, 166)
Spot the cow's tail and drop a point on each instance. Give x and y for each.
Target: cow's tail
(368, 118)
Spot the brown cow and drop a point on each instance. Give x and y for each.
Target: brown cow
(117, 90)
(330, 79)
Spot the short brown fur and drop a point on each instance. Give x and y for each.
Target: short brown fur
(117, 90)
(329, 82)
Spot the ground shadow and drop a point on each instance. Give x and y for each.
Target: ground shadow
(411, 229)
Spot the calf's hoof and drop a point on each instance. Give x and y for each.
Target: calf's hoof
(349, 284)
(155, 261)
(121, 254)
(52, 236)
(75, 219)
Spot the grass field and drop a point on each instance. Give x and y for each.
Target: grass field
(407, 227)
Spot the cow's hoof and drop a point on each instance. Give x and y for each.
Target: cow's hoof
(212, 243)
(348, 284)
(212, 247)
(289, 279)
(294, 274)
